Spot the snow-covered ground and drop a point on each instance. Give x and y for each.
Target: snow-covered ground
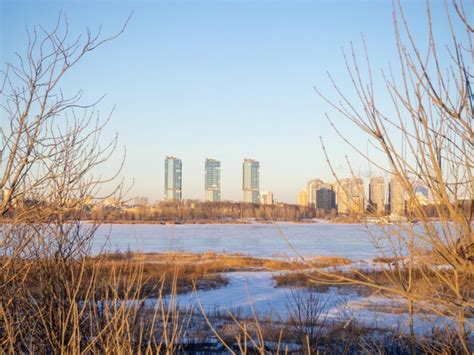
(249, 292)
(256, 290)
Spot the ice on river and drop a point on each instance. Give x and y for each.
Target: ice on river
(260, 240)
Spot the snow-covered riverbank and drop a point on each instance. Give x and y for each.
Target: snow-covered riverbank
(255, 292)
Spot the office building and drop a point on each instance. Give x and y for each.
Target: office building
(173, 179)
(377, 195)
(251, 181)
(212, 180)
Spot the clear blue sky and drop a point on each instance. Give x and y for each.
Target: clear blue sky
(225, 79)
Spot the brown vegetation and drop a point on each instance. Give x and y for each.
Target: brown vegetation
(362, 281)
(56, 298)
(191, 211)
(425, 138)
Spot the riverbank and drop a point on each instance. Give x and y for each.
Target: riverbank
(204, 222)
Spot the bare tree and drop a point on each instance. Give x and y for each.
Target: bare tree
(51, 296)
(426, 138)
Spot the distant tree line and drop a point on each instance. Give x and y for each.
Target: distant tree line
(195, 211)
(192, 211)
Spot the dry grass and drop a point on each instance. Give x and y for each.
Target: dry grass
(424, 279)
(223, 262)
(188, 270)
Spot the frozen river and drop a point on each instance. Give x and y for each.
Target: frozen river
(260, 240)
(256, 290)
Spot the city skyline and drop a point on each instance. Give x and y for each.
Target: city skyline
(344, 196)
(251, 105)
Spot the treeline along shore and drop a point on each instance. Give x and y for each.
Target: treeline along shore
(177, 212)
(198, 212)
(192, 211)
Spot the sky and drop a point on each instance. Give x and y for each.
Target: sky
(225, 79)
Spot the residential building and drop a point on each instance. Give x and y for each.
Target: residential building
(325, 198)
(350, 196)
(357, 196)
(303, 198)
(266, 198)
(212, 180)
(173, 179)
(251, 181)
(312, 187)
(377, 195)
(341, 189)
(396, 197)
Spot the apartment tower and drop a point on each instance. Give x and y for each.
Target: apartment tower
(212, 180)
(173, 179)
(350, 196)
(397, 197)
(312, 187)
(251, 181)
(377, 195)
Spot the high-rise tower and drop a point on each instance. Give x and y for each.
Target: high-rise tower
(251, 181)
(173, 179)
(212, 180)
(377, 194)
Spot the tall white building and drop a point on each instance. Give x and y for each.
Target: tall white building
(251, 181)
(377, 194)
(397, 197)
(350, 196)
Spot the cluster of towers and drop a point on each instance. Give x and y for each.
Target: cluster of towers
(212, 181)
(345, 196)
(348, 196)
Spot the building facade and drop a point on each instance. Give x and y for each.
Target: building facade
(350, 196)
(312, 187)
(377, 195)
(325, 199)
(212, 180)
(173, 179)
(303, 198)
(357, 196)
(251, 181)
(342, 196)
(266, 198)
(396, 197)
